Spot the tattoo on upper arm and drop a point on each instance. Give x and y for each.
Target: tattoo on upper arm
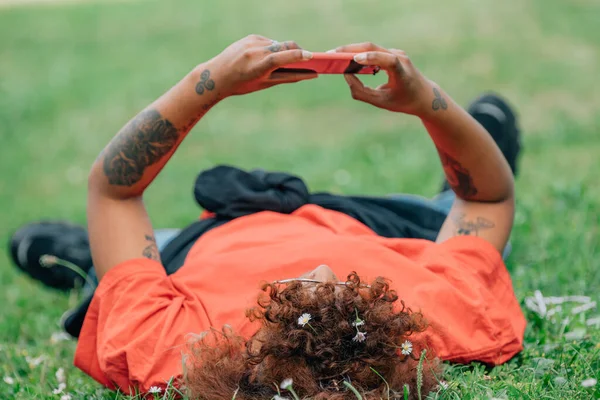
(205, 82)
(151, 251)
(438, 101)
(142, 142)
(458, 177)
(471, 227)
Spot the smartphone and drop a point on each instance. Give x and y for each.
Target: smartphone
(331, 63)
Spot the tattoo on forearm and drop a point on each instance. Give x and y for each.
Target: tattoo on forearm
(465, 227)
(151, 251)
(184, 129)
(205, 82)
(142, 142)
(438, 101)
(190, 124)
(211, 104)
(458, 177)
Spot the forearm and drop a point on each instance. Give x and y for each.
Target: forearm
(139, 151)
(473, 163)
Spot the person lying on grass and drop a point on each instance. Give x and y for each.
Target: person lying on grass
(340, 310)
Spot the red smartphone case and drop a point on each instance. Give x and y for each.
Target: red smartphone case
(331, 63)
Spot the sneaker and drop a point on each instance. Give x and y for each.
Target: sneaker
(61, 239)
(72, 320)
(500, 120)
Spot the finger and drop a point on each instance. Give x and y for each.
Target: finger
(281, 46)
(403, 58)
(387, 61)
(359, 91)
(353, 81)
(256, 37)
(384, 60)
(289, 77)
(358, 48)
(397, 52)
(284, 57)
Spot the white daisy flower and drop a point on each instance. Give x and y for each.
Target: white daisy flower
(278, 397)
(286, 383)
(406, 347)
(60, 388)
(358, 322)
(34, 361)
(66, 397)
(155, 390)
(588, 383)
(304, 319)
(360, 337)
(444, 385)
(60, 375)
(8, 380)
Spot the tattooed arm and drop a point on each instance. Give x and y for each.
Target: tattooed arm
(119, 226)
(474, 165)
(475, 169)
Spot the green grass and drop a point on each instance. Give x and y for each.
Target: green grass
(71, 76)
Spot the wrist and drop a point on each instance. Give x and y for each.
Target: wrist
(434, 102)
(207, 83)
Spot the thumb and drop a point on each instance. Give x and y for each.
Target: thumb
(359, 91)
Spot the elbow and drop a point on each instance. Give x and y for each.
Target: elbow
(508, 194)
(510, 185)
(106, 183)
(493, 191)
(100, 185)
(505, 194)
(501, 188)
(97, 182)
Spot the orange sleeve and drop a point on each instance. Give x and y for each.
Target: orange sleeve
(134, 331)
(481, 319)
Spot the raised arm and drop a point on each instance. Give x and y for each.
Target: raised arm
(474, 166)
(475, 169)
(119, 226)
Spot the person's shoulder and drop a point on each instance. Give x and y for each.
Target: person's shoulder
(466, 244)
(136, 269)
(469, 255)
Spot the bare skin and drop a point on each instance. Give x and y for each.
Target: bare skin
(322, 273)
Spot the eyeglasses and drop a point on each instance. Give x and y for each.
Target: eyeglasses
(306, 280)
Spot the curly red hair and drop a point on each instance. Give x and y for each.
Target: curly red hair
(318, 356)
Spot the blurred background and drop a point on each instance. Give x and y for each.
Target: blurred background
(73, 73)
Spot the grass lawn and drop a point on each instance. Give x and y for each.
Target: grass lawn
(72, 75)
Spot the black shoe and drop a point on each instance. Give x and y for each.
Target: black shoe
(63, 240)
(72, 320)
(500, 120)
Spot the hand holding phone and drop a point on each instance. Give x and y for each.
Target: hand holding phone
(330, 63)
(407, 89)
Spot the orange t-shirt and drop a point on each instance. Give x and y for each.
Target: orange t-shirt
(135, 329)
